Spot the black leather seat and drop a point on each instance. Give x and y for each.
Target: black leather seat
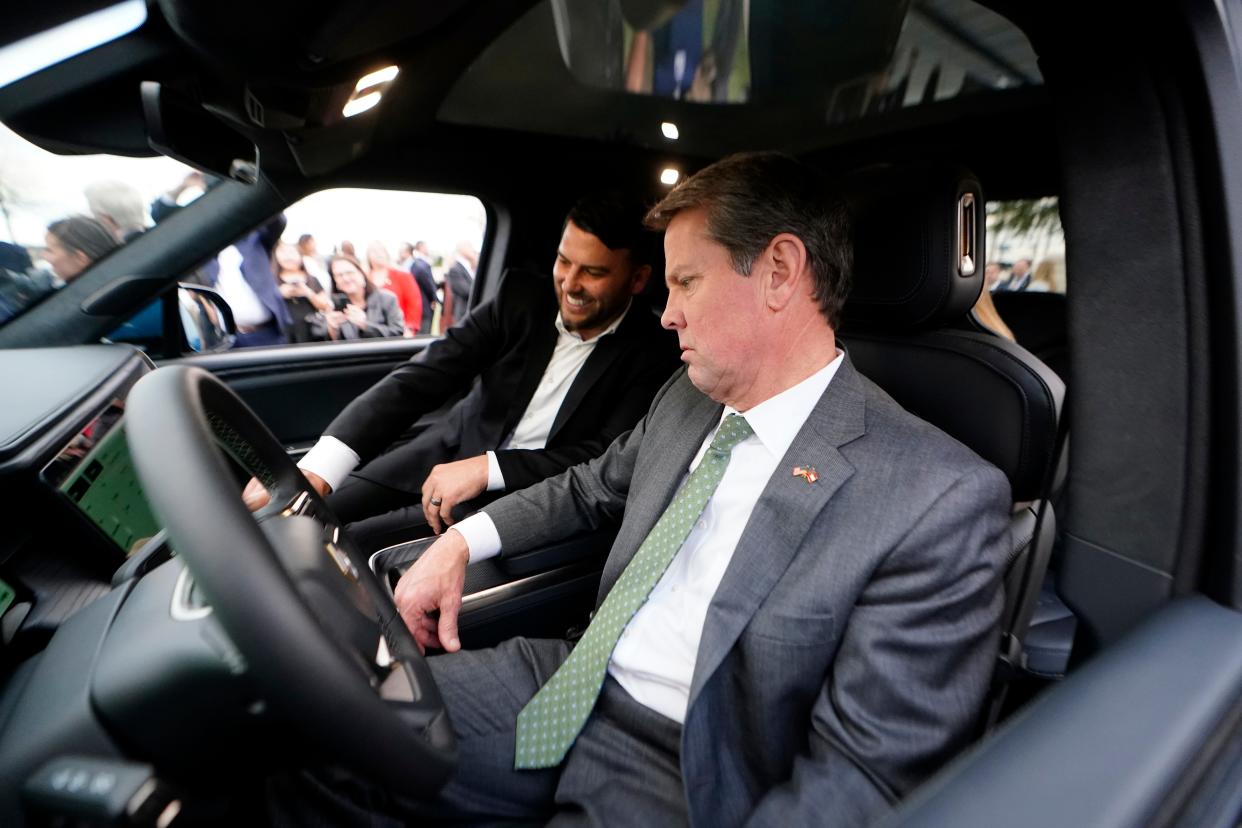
(917, 275)
(1038, 322)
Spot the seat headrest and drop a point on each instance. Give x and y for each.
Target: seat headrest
(918, 242)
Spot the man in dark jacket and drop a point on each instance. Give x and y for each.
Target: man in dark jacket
(555, 371)
(242, 272)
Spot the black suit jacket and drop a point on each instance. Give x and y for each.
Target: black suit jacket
(460, 282)
(427, 285)
(499, 352)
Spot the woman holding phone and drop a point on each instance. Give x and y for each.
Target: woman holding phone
(303, 294)
(360, 310)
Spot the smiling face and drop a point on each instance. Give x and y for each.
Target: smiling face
(349, 279)
(716, 311)
(593, 283)
(288, 258)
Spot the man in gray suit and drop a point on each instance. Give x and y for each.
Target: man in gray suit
(798, 619)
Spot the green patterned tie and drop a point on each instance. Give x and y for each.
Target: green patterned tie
(551, 720)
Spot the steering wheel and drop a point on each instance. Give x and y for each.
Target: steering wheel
(317, 630)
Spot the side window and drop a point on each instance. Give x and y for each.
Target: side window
(347, 265)
(1026, 246)
(1026, 279)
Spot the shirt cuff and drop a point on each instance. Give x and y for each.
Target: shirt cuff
(481, 536)
(330, 459)
(495, 478)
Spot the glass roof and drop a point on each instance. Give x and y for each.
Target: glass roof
(613, 68)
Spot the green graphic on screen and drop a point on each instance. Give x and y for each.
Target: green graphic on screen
(7, 594)
(105, 487)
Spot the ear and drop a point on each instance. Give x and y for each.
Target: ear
(789, 263)
(639, 278)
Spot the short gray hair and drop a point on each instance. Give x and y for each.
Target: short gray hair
(752, 197)
(119, 202)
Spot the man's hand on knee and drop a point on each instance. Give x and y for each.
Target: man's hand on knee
(256, 496)
(450, 484)
(435, 582)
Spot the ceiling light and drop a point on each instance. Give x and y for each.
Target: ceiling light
(385, 75)
(356, 106)
(670, 130)
(669, 176)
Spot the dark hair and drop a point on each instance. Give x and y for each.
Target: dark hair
(345, 257)
(617, 221)
(276, 264)
(751, 197)
(85, 235)
(304, 238)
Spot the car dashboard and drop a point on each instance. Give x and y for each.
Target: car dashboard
(76, 514)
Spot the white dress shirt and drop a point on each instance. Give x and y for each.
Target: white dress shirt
(332, 460)
(654, 660)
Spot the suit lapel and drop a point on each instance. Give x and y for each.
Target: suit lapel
(603, 355)
(782, 518)
(542, 343)
(647, 504)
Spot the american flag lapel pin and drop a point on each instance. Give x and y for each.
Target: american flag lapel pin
(807, 473)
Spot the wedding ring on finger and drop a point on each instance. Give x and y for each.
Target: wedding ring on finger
(436, 501)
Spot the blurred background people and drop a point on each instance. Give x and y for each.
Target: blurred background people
(1044, 279)
(312, 261)
(418, 262)
(1019, 277)
(303, 293)
(119, 207)
(396, 281)
(460, 277)
(241, 272)
(21, 284)
(359, 308)
(991, 275)
(75, 243)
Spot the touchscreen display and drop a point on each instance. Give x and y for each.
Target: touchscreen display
(96, 473)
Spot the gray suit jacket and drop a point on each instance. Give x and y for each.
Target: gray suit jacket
(848, 649)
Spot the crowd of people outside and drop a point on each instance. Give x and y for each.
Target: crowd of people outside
(279, 286)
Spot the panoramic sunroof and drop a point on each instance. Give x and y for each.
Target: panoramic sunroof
(860, 55)
(621, 69)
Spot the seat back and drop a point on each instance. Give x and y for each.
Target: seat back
(917, 275)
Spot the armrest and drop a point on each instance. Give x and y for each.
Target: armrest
(1126, 738)
(390, 563)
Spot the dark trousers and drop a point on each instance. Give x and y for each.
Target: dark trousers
(269, 333)
(622, 770)
(380, 516)
(377, 515)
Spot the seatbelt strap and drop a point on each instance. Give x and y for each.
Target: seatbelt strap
(1034, 568)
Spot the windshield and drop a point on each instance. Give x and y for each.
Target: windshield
(60, 214)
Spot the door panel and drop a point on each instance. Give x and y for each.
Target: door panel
(1136, 737)
(298, 389)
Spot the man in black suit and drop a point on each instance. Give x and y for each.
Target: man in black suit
(242, 273)
(415, 258)
(460, 278)
(554, 372)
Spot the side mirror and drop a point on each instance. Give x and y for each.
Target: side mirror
(206, 319)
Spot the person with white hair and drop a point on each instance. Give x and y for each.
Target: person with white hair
(117, 206)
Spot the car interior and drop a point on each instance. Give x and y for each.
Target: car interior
(159, 678)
